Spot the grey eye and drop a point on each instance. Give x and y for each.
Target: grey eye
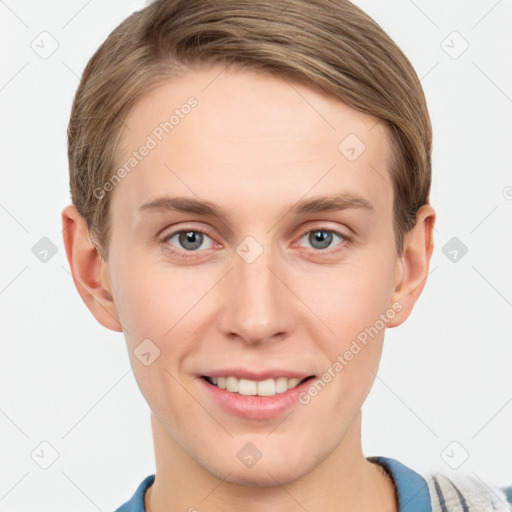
(189, 240)
(322, 238)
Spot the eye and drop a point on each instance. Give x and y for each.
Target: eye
(321, 239)
(191, 240)
(188, 240)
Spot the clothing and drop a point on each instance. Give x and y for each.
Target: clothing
(450, 492)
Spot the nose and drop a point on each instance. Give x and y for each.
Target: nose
(257, 305)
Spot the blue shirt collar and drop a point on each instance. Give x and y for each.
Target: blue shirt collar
(412, 489)
(136, 504)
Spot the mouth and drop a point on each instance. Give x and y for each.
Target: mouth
(248, 387)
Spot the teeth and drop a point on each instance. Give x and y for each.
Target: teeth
(232, 384)
(282, 384)
(268, 387)
(247, 387)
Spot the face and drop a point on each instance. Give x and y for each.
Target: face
(266, 283)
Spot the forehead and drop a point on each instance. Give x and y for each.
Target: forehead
(236, 136)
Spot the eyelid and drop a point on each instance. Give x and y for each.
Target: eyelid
(324, 225)
(346, 239)
(185, 230)
(182, 253)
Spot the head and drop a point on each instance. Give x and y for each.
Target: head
(250, 186)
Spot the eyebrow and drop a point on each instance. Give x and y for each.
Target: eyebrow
(338, 202)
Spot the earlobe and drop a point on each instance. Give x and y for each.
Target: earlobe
(89, 269)
(413, 265)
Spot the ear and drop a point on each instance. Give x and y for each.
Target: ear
(89, 269)
(412, 266)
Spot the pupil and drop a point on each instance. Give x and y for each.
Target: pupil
(188, 237)
(323, 237)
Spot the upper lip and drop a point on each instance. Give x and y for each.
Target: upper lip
(244, 373)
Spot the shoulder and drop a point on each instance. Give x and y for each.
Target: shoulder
(444, 491)
(136, 502)
(458, 491)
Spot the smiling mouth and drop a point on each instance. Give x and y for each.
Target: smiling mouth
(247, 387)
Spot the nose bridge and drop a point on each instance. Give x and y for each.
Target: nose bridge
(257, 306)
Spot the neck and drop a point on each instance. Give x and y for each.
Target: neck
(344, 481)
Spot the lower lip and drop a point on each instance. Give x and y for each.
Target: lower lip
(255, 407)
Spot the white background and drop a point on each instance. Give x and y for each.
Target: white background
(446, 375)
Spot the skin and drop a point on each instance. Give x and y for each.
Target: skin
(254, 145)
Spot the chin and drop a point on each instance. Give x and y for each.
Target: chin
(261, 478)
(269, 473)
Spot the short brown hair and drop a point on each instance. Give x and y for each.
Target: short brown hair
(329, 45)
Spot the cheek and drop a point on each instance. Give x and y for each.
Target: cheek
(349, 341)
(352, 305)
(349, 299)
(152, 300)
(152, 304)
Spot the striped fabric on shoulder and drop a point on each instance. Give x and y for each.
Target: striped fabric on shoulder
(455, 492)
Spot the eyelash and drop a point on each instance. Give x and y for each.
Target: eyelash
(191, 254)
